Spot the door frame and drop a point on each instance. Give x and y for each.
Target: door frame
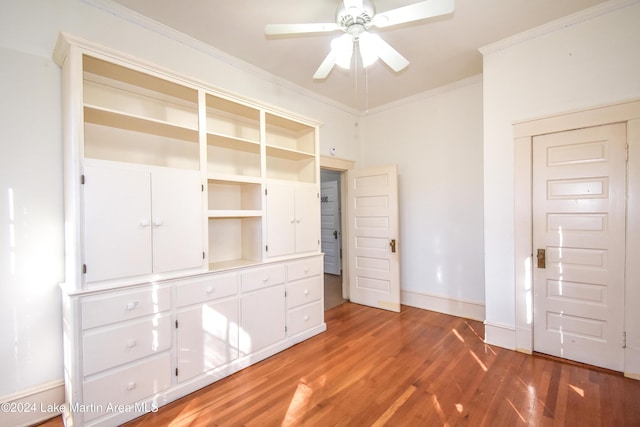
(524, 131)
(342, 166)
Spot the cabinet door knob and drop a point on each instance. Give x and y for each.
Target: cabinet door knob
(210, 290)
(144, 223)
(306, 291)
(131, 343)
(306, 318)
(157, 222)
(132, 305)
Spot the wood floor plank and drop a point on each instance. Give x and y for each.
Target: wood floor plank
(416, 367)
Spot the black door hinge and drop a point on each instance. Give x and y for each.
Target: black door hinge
(84, 268)
(82, 179)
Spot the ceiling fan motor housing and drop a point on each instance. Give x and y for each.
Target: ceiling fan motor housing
(346, 18)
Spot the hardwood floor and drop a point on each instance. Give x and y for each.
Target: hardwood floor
(374, 368)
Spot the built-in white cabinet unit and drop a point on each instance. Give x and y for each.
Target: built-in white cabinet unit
(192, 233)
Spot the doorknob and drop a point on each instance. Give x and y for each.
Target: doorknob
(392, 243)
(542, 258)
(335, 234)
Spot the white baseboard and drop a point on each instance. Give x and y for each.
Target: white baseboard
(453, 307)
(32, 406)
(632, 363)
(500, 335)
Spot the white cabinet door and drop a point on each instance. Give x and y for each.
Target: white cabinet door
(176, 219)
(117, 235)
(141, 220)
(307, 209)
(207, 337)
(293, 218)
(263, 318)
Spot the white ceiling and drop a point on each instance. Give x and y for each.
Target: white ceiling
(440, 50)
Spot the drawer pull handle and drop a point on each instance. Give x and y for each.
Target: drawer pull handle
(132, 305)
(306, 318)
(131, 343)
(131, 385)
(210, 290)
(306, 270)
(306, 291)
(266, 279)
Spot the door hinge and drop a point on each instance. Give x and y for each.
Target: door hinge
(624, 339)
(266, 248)
(176, 372)
(285, 329)
(265, 191)
(82, 179)
(84, 268)
(176, 324)
(626, 149)
(203, 256)
(202, 185)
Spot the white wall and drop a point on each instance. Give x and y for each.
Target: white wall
(590, 59)
(435, 138)
(31, 194)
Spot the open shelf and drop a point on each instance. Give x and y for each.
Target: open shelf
(289, 135)
(234, 199)
(232, 119)
(234, 241)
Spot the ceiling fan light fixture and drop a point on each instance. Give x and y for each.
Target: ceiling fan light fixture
(342, 47)
(367, 50)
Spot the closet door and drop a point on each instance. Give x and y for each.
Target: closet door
(177, 220)
(117, 238)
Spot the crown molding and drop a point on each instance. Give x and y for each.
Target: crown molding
(558, 24)
(476, 79)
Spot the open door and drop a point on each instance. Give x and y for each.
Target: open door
(373, 251)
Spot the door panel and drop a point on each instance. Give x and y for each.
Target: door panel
(177, 220)
(374, 274)
(117, 204)
(307, 210)
(579, 220)
(280, 218)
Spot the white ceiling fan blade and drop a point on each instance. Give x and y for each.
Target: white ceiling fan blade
(414, 12)
(281, 29)
(385, 52)
(325, 68)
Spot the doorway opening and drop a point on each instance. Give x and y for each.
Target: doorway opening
(331, 236)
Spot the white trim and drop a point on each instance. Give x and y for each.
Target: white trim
(477, 79)
(499, 334)
(558, 24)
(34, 405)
(454, 307)
(136, 18)
(625, 111)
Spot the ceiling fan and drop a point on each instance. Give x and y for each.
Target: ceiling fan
(355, 18)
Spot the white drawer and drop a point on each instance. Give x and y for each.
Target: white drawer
(304, 291)
(305, 317)
(262, 277)
(107, 348)
(116, 307)
(206, 289)
(304, 268)
(126, 386)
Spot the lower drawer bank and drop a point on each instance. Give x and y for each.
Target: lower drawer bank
(133, 349)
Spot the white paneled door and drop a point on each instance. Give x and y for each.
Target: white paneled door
(579, 181)
(374, 273)
(330, 226)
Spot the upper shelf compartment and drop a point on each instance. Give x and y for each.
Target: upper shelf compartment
(231, 120)
(135, 117)
(122, 97)
(289, 139)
